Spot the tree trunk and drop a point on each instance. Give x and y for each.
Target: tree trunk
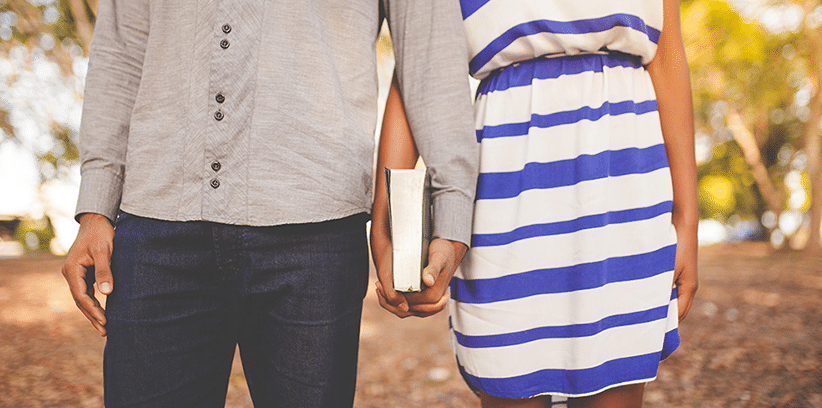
(773, 197)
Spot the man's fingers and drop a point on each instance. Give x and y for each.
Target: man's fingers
(101, 254)
(436, 263)
(102, 275)
(83, 294)
(97, 325)
(93, 312)
(88, 260)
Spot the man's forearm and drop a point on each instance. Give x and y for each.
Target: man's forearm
(432, 73)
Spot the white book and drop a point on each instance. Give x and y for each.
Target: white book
(409, 215)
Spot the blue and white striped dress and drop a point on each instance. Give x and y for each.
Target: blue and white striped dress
(567, 289)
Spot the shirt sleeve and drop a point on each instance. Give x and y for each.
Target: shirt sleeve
(112, 82)
(432, 71)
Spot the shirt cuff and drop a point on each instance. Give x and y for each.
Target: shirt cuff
(100, 192)
(453, 215)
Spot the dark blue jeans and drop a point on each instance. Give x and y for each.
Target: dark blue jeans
(187, 293)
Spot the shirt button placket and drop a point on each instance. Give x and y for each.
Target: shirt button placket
(220, 98)
(218, 115)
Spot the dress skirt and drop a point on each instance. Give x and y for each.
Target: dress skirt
(567, 289)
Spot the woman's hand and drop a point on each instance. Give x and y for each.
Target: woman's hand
(685, 268)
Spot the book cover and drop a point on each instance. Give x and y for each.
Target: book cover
(409, 214)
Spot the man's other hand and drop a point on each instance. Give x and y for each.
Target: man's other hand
(89, 261)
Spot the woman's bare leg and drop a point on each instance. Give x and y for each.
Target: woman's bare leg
(490, 401)
(627, 396)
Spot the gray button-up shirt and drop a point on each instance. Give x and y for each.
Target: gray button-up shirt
(262, 112)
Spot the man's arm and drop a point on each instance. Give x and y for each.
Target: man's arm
(432, 77)
(115, 69)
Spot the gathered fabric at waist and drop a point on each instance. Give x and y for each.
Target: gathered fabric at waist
(550, 66)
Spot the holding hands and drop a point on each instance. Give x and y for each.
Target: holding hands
(443, 258)
(398, 150)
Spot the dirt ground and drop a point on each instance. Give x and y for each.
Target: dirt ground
(753, 339)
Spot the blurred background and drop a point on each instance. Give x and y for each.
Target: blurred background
(756, 67)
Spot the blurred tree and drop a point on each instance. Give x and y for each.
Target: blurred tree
(751, 89)
(60, 31)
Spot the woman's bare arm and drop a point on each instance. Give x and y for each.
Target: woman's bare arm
(670, 76)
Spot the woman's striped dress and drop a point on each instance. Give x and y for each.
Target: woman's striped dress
(567, 289)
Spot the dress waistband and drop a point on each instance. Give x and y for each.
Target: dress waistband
(553, 66)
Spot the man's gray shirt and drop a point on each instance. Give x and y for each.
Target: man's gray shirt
(262, 112)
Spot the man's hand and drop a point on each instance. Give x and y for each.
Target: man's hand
(91, 253)
(443, 258)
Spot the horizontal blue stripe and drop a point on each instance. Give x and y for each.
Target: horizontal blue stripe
(470, 6)
(523, 73)
(610, 163)
(562, 332)
(573, 382)
(564, 279)
(570, 226)
(566, 118)
(594, 25)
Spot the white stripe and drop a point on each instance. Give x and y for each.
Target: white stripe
(497, 16)
(586, 89)
(571, 354)
(673, 315)
(541, 206)
(589, 245)
(561, 309)
(624, 39)
(564, 142)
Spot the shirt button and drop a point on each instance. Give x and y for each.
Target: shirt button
(216, 166)
(226, 28)
(215, 183)
(218, 115)
(220, 98)
(224, 44)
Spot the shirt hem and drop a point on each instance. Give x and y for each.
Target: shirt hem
(250, 223)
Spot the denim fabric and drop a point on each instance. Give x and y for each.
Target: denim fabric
(186, 293)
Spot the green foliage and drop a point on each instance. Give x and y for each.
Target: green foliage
(726, 185)
(738, 64)
(735, 60)
(35, 235)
